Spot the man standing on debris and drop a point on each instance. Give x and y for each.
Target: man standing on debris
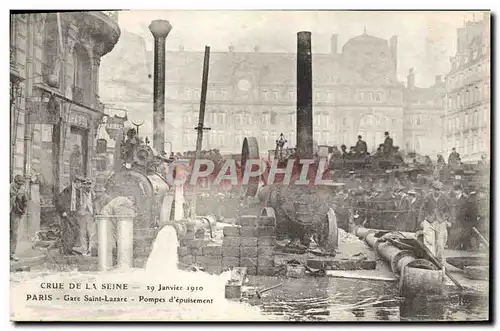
(454, 158)
(435, 209)
(18, 205)
(361, 147)
(387, 144)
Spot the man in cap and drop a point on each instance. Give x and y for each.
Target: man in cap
(70, 206)
(361, 147)
(435, 211)
(18, 206)
(459, 226)
(411, 206)
(388, 143)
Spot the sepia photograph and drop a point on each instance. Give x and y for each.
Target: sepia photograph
(271, 165)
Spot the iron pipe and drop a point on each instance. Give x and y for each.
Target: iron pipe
(160, 30)
(304, 96)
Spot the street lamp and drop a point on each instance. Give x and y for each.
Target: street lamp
(280, 143)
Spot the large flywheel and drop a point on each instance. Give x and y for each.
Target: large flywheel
(250, 151)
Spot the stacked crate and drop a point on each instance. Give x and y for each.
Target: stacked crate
(266, 233)
(231, 247)
(249, 244)
(194, 249)
(256, 246)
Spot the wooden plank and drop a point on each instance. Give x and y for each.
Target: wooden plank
(373, 275)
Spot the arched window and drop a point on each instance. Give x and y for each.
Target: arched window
(82, 79)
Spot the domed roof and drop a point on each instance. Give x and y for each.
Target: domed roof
(365, 39)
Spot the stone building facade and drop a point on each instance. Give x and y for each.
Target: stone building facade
(466, 121)
(355, 91)
(56, 110)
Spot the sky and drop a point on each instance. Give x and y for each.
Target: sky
(426, 40)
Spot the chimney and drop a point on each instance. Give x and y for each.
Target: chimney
(231, 48)
(411, 79)
(256, 49)
(304, 96)
(393, 45)
(160, 30)
(334, 43)
(181, 48)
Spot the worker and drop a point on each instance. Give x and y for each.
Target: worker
(434, 211)
(411, 206)
(72, 205)
(454, 158)
(388, 142)
(18, 207)
(460, 232)
(361, 147)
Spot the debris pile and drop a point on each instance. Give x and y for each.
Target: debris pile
(347, 238)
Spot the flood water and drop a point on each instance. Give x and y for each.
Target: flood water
(339, 299)
(306, 299)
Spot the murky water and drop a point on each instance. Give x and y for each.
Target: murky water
(337, 299)
(307, 299)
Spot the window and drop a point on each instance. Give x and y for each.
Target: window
(370, 96)
(76, 155)
(82, 83)
(275, 95)
(475, 144)
(290, 95)
(264, 95)
(265, 119)
(379, 96)
(273, 118)
(466, 121)
(220, 118)
(211, 95)
(238, 119)
(101, 163)
(318, 97)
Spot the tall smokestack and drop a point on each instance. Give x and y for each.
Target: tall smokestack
(160, 30)
(304, 96)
